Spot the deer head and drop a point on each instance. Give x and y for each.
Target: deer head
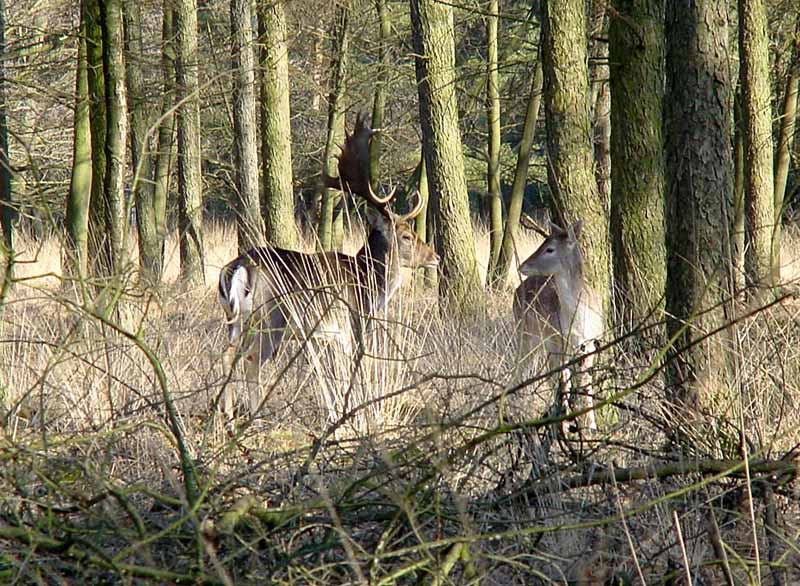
(559, 254)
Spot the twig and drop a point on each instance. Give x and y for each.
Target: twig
(682, 545)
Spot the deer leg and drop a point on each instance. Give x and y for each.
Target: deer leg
(267, 341)
(587, 364)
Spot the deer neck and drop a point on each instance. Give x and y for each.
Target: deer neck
(570, 287)
(379, 266)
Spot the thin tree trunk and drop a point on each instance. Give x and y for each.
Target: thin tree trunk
(141, 157)
(7, 212)
(636, 37)
(500, 275)
(116, 131)
(600, 100)
(379, 100)
(250, 226)
(165, 154)
(190, 197)
(80, 187)
(99, 243)
(738, 195)
(569, 136)
(493, 123)
(434, 45)
(331, 213)
(762, 252)
(786, 131)
(698, 200)
(276, 133)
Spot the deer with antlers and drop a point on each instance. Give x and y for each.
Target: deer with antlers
(269, 294)
(557, 311)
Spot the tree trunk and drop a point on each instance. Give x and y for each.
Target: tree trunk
(190, 198)
(99, 244)
(600, 100)
(7, 212)
(141, 157)
(434, 45)
(698, 198)
(500, 275)
(276, 133)
(569, 136)
(636, 37)
(786, 131)
(379, 100)
(331, 198)
(250, 227)
(762, 249)
(493, 123)
(738, 195)
(116, 131)
(77, 220)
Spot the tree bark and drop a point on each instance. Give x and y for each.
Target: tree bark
(569, 136)
(379, 100)
(276, 134)
(141, 156)
(434, 45)
(516, 200)
(190, 206)
(636, 37)
(786, 133)
(99, 244)
(762, 249)
(7, 211)
(600, 99)
(116, 131)
(331, 212)
(78, 197)
(250, 227)
(698, 198)
(493, 122)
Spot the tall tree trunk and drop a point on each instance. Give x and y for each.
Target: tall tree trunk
(332, 198)
(276, 132)
(636, 37)
(190, 195)
(250, 226)
(739, 222)
(100, 254)
(600, 99)
(493, 123)
(80, 187)
(762, 251)
(165, 155)
(116, 131)
(434, 45)
(379, 100)
(698, 198)
(7, 212)
(569, 135)
(786, 131)
(141, 157)
(517, 198)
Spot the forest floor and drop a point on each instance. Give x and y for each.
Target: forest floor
(436, 459)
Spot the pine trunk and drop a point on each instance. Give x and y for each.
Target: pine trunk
(190, 198)
(762, 248)
(698, 199)
(493, 158)
(250, 227)
(434, 44)
(569, 136)
(7, 212)
(379, 100)
(276, 135)
(78, 198)
(637, 170)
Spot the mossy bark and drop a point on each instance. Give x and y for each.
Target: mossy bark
(434, 44)
(637, 171)
(277, 196)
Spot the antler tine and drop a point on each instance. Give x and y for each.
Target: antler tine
(379, 202)
(526, 221)
(415, 211)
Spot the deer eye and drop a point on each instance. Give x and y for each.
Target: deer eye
(550, 250)
(406, 236)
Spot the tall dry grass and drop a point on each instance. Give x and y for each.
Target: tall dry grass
(434, 460)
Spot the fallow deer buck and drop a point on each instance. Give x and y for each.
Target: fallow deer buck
(269, 294)
(557, 312)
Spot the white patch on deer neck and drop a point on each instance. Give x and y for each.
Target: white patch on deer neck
(578, 318)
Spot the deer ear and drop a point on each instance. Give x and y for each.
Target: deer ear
(574, 231)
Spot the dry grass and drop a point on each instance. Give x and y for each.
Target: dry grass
(429, 463)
